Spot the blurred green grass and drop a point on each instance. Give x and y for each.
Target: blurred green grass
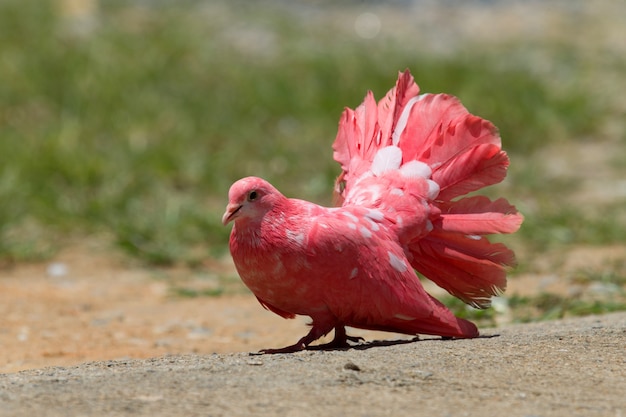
(133, 130)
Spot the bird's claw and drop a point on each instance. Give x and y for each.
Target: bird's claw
(297, 347)
(355, 339)
(338, 343)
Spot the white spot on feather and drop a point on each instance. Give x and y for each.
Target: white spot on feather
(433, 189)
(354, 273)
(404, 118)
(396, 191)
(404, 317)
(473, 237)
(365, 232)
(397, 263)
(375, 194)
(375, 215)
(386, 159)
(352, 226)
(415, 169)
(279, 268)
(296, 237)
(374, 226)
(350, 216)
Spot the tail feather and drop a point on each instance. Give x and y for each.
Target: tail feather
(478, 215)
(439, 128)
(480, 166)
(441, 323)
(470, 268)
(362, 132)
(392, 105)
(457, 153)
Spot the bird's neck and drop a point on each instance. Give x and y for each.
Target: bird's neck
(257, 231)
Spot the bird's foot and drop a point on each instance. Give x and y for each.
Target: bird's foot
(340, 341)
(300, 345)
(297, 347)
(355, 339)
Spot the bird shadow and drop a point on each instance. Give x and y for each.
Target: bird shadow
(375, 344)
(382, 343)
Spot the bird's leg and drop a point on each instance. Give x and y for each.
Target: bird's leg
(316, 332)
(341, 338)
(339, 341)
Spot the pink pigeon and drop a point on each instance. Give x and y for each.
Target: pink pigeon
(407, 161)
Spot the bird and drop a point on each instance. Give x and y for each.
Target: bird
(401, 211)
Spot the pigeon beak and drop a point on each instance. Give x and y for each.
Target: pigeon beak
(231, 213)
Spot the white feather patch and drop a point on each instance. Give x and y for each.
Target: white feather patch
(415, 169)
(397, 263)
(350, 216)
(404, 118)
(375, 215)
(386, 159)
(373, 225)
(433, 189)
(295, 237)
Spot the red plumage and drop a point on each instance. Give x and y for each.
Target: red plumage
(406, 161)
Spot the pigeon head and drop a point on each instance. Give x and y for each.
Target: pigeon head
(250, 198)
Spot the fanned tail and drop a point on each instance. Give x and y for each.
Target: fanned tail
(428, 150)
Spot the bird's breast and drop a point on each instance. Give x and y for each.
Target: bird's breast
(278, 271)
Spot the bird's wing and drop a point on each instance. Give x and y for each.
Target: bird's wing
(366, 279)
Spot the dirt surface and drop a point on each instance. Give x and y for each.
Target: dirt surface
(85, 305)
(566, 368)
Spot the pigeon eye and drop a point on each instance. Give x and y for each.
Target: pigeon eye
(252, 195)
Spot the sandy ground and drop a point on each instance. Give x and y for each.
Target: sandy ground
(566, 368)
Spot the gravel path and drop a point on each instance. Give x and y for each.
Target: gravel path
(575, 367)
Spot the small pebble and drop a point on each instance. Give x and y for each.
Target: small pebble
(351, 366)
(423, 374)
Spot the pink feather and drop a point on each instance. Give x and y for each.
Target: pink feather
(405, 161)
